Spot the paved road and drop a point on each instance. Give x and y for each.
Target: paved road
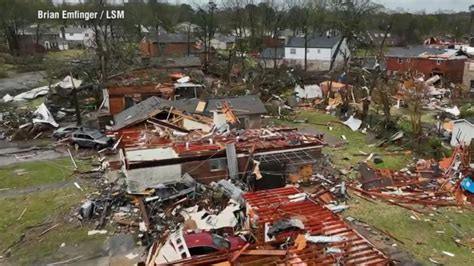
(21, 82)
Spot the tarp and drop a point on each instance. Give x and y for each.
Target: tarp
(31, 94)
(67, 83)
(308, 92)
(42, 115)
(353, 123)
(7, 98)
(467, 184)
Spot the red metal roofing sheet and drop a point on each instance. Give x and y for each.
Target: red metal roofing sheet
(273, 205)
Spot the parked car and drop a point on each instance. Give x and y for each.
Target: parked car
(64, 132)
(90, 138)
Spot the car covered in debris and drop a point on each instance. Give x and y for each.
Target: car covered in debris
(90, 138)
(180, 246)
(206, 243)
(64, 132)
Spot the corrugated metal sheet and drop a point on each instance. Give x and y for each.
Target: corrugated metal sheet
(232, 160)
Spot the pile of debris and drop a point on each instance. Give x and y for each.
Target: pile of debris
(21, 123)
(426, 183)
(278, 226)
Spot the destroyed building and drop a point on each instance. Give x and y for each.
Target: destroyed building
(447, 63)
(187, 115)
(126, 89)
(267, 153)
(283, 226)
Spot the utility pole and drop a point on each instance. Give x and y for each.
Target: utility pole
(212, 7)
(471, 31)
(76, 102)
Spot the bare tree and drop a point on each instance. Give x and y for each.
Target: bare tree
(349, 18)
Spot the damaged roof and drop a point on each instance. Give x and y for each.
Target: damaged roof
(274, 205)
(241, 105)
(316, 42)
(139, 112)
(423, 52)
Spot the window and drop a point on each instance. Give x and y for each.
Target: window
(307, 50)
(218, 164)
(376, 35)
(319, 51)
(86, 34)
(400, 61)
(472, 85)
(71, 34)
(292, 51)
(438, 62)
(408, 60)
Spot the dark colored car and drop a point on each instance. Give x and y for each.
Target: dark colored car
(90, 138)
(64, 132)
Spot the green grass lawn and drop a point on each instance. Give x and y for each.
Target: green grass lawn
(344, 156)
(56, 205)
(27, 174)
(421, 238)
(38, 206)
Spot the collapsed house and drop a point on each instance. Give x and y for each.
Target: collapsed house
(162, 119)
(126, 89)
(282, 226)
(263, 157)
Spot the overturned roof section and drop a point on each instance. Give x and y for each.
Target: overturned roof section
(241, 105)
(339, 243)
(316, 42)
(274, 205)
(139, 112)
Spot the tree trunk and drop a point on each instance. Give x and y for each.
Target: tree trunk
(305, 49)
(336, 52)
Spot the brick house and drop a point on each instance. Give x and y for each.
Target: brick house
(447, 63)
(169, 44)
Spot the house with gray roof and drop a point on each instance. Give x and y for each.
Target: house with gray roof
(248, 109)
(269, 57)
(447, 63)
(319, 51)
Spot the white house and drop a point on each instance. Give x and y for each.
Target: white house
(222, 42)
(187, 27)
(79, 36)
(463, 131)
(319, 52)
